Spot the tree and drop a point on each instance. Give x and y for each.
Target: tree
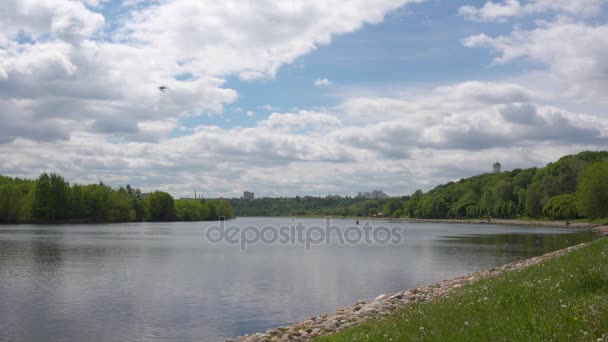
(561, 207)
(96, 202)
(411, 208)
(161, 206)
(461, 209)
(592, 190)
(433, 207)
(59, 197)
(534, 200)
(13, 203)
(192, 210)
(369, 206)
(76, 202)
(223, 209)
(120, 209)
(42, 207)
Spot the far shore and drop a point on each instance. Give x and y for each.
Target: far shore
(517, 222)
(510, 222)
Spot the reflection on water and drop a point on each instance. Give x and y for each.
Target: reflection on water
(163, 281)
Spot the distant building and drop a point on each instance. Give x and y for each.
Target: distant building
(376, 194)
(248, 195)
(496, 167)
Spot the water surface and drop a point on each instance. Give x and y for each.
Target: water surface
(165, 282)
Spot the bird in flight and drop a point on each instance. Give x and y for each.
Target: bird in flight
(162, 88)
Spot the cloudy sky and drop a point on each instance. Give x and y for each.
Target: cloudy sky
(297, 97)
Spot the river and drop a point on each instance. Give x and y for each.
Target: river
(167, 282)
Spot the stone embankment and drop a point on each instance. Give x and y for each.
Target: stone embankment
(329, 323)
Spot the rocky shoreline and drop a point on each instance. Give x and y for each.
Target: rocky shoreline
(329, 323)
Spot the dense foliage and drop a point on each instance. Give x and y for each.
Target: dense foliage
(574, 186)
(592, 193)
(50, 198)
(543, 192)
(547, 192)
(308, 205)
(561, 207)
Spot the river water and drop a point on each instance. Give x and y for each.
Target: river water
(167, 282)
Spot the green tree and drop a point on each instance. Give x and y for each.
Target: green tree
(76, 203)
(192, 210)
(161, 206)
(42, 206)
(120, 209)
(96, 202)
(561, 207)
(534, 200)
(223, 209)
(13, 205)
(59, 197)
(592, 190)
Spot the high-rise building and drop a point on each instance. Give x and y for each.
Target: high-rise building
(376, 194)
(248, 195)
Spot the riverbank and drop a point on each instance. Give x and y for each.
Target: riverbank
(582, 225)
(535, 284)
(600, 228)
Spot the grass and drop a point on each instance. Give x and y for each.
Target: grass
(563, 299)
(602, 221)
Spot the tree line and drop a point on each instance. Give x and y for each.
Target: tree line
(575, 186)
(50, 198)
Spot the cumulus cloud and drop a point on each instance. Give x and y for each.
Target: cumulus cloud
(249, 39)
(573, 51)
(108, 84)
(407, 142)
(70, 21)
(501, 11)
(82, 97)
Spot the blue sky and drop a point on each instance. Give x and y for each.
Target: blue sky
(418, 47)
(410, 93)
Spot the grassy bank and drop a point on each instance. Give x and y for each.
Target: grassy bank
(565, 298)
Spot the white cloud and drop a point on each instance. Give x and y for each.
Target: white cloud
(402, 143)
(111, 86)
(501, 11)
(574, 52)
(322, 82)
(86, 103)
(252, 40)
(70, 21)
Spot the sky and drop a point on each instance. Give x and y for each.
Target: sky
(297, 97)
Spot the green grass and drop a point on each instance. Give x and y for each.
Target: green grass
(563, 299)
(602, 221)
